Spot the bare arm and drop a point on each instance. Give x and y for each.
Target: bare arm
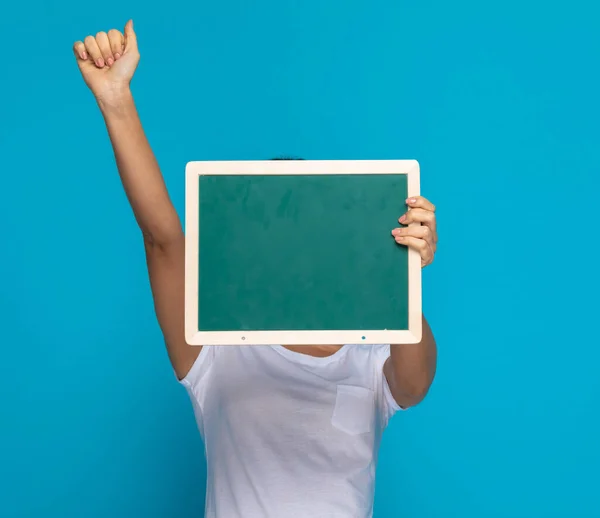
(410, 369)
(107, 63)
(163, 236)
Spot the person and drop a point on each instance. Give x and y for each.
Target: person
(288, 431)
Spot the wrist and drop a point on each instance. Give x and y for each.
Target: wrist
(116, 103)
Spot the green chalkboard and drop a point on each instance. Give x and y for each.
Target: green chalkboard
(301, 252)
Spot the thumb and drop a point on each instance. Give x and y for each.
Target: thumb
(130, 37)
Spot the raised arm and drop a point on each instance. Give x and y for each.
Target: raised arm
(107, 63)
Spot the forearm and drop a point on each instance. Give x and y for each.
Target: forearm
(140, 173)
(411, 368)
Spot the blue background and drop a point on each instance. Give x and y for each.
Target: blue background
(499, 103)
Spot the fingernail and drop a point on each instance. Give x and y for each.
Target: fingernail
(411, 200)
(403, 218)
(117, 55)
(109, 61)
(84, 55)
(100, 63)
(399, 238)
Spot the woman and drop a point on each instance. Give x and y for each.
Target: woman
(288, 431)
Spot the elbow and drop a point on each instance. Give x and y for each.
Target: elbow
(408, 385)
(419, 393)
(162, 229)
(410, 390)
(412, 396)
(162, 239)
(419, 389)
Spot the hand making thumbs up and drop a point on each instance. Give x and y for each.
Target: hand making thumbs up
(107, 62)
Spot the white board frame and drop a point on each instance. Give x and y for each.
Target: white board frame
(194, 336)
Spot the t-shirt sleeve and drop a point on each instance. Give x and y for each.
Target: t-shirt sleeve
(386, 403)
(200, 368)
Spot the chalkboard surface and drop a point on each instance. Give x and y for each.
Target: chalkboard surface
(299, 257)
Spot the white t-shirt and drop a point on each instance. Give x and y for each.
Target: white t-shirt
(288, 435)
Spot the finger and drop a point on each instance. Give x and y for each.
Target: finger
(130, 37)
(420, 245)
(79, 50)
(418, 202)
(417, 231)
(116, 42)
(426, 217)
(94, 51)
(104, 44)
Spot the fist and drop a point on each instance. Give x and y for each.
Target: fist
(108, 61)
